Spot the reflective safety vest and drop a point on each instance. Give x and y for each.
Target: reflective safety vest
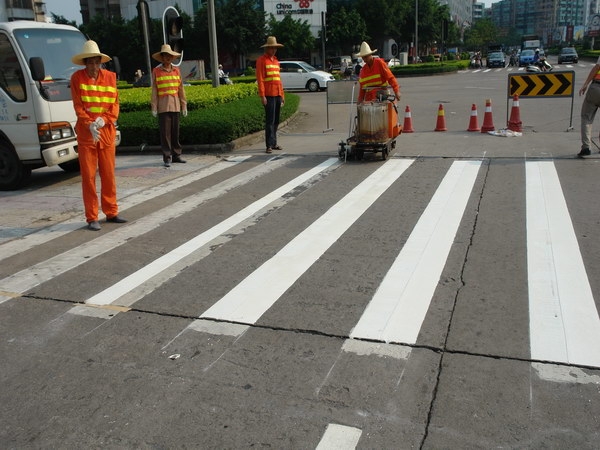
(272, 73)
(97, 99)
(372, 80)
(167, 83)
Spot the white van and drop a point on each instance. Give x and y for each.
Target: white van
(37, 118)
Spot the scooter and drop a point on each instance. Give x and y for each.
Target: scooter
(541, 66)
(224, 79)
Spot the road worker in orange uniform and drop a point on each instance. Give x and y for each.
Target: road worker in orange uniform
(270, 91)
(376, 73)
(96, 103)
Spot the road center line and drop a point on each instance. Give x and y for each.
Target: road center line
(248, 301)
(564, 324)
(164, 262)
(398, 308)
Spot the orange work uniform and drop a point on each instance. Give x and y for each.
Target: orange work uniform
(94, 98)
(378, 74)
(268, 77)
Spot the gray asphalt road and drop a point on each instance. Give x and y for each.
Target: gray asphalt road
(444, 298)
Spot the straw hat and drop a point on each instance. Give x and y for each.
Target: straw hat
(165, 48)
(365, 50)
(272, 42)
(90, 50)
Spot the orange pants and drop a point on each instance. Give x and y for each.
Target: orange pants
(99, 157)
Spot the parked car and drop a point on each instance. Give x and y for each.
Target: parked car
(526, 57)
(568, 55)
(300, 75)
(394, 62)
(496, 59)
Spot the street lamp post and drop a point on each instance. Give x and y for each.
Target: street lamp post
(416, 56)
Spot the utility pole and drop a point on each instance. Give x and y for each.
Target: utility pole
(416, 58)
(142, 8)
(212, 42)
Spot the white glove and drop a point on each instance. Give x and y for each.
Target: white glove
(184, 113)
(95, 132)
(99, 121)
(154, 113)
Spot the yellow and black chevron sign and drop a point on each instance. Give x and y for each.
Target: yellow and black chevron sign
(543, 84)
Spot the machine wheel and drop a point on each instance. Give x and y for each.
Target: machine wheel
(359, 155)
(70, 166)
(13, 174)
(312, 85)
(384, 153)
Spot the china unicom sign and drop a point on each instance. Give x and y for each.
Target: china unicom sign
(303, 10)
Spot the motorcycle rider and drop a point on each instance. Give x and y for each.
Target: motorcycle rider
(540, 61)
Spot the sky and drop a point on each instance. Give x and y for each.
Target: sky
(67, 8)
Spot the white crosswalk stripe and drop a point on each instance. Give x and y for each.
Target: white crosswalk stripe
(564, 325)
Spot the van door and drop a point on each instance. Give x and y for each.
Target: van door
(17, 114)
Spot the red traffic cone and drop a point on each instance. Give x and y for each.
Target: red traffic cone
(408, 126)
(441, 119)
(474, 123)
(488, 122)
(514, 123)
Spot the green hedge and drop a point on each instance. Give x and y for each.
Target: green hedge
(430, 68)
(198, 97)
(218, 124)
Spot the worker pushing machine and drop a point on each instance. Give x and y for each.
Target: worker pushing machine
(376, 74)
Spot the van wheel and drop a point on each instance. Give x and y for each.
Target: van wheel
(13, 173)
(312, 85)
(70, 166)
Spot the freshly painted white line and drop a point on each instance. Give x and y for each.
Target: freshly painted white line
(563, 320)
(248, 301)
(397, 310)
(365, 348)
(339, 437)
(26, 279)
(157, 266)
(44, 235)
(219, 328)
(564, 374)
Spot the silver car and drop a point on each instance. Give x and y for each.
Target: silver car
(300, 75)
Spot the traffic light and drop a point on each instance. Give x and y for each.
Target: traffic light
(173, 32)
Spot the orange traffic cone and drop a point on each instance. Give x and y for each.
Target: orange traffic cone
(514, 123)
(408, 126)
(441, 119)
(488, 122)
(474, 123)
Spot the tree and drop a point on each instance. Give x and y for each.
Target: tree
(480, 34)
(345, 29)
(62, 20)
(239, 27)
(294, 34)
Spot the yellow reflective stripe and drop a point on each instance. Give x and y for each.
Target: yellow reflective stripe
(272, 79)
(90, 99)
(97, 109)
(372, 77)
(93, 87)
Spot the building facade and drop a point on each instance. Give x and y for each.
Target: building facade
(11, 10)
(554, 21)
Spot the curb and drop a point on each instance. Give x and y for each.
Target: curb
(225, 147)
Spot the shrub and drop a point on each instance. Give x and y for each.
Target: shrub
(217, 124)
(198, 96)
